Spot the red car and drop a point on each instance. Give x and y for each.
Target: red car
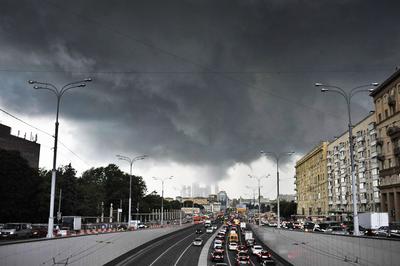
(242, 248)
(243, 261)
(243, 254)
(217, 256)
(264, 256)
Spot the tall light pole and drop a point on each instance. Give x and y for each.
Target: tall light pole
(277, 157)
(347, 96)
(130, 161)
(259, 194)
(162, 195)
(59, 93)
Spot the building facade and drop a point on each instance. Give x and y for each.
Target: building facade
(29, 149)
(311, 182)
(340, 199)
(387, 114)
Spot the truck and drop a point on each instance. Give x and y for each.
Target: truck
(243, 225)
(248, 235)
(71, 223)
(373, 220)
(233, 237)
(207, 223)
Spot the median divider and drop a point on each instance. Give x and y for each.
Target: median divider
(204, 251)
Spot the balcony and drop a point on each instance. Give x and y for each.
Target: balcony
(363, 201)
(361, 149)
(396, 151)
(392, 100)
(374, 154)
(389, 171)
(362, 180)
(360, 138)
(363, 190)
(393, 132)
(380, 157)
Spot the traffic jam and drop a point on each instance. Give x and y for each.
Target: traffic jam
(234, 244)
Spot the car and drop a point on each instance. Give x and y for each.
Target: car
(309, 226)
(264, 256)
(197, 241)
(199, 231)
(242, 248)
(16, 230)
(217, 242)
(142, 226)
(217, 256)
(214, 227)
(39, 231)
(232, 246)
(337, 230)
(250, 242)
(242, 254)
(209, 230)
(219, 248)
(242, 261)
(256, 249)
(221, 264)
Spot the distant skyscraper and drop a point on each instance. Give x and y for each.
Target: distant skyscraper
(216, 188)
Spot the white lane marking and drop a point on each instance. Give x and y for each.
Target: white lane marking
(176, 263)
(169, 249)
(227, 254)
(157, 243)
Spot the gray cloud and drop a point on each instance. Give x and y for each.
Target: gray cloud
(209, 118)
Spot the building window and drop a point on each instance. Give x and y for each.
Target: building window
(379, 117)
(386, 114)
(390, 163)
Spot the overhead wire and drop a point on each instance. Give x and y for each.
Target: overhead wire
(44, 132)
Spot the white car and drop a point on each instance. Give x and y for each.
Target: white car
(214, 227)
(232, 246)
(217, 243)
(256, 249)
(209, 230)
(198, 242)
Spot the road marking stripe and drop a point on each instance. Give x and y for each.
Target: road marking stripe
(176, 263)
(169, 249)
(133, 257)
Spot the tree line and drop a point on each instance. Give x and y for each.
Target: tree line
(25, 192)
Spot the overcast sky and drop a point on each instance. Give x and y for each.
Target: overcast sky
(199, 86)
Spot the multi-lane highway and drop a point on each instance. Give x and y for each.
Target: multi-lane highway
(230, 256)
(177, 249)
(174, 249)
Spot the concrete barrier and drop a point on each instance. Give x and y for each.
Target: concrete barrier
(303, 248)
(80, 250)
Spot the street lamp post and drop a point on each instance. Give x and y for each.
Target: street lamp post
(130, 161)
(162, 195)
(347, 96)
(277, 157)
(59, 93)
(259, 195)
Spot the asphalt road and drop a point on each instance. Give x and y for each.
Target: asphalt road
(231, 258)
(175, 249)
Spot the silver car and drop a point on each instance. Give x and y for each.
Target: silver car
(16, 230)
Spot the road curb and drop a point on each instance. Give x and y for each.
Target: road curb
(204, 251)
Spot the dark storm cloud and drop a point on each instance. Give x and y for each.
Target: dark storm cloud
(198, 118)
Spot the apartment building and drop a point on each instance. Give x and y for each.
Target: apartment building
(311, 182)
(387, 115)
(366, 162)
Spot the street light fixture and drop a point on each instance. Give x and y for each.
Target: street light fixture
(347, 96)
(162, 195)
(259, 194)
(130, 161)
(59, 93)
(277, 157)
